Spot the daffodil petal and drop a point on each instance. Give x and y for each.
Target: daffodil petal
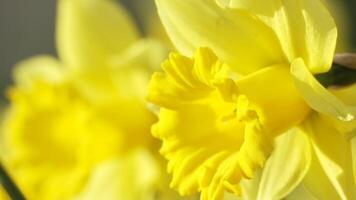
(237, 37)
(287, 165)
(353, 150)
(145, 53)
(276, 180)
(133, 67)
(250, 187)
(91, 31)
(318, 97)
(334, 154)
(300, 193)
(3, 194)
(317, 183)
(348, 96)
(229, 196)
(304, 28)
(39, 68)
(131, 177)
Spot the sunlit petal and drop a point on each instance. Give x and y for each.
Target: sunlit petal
(304, 28)
(40, 68)
(89, 32)
(236, 36)
(123, 178)
(318, 97)
(287, 165)
(334, 154)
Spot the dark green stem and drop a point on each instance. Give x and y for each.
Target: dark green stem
(12, 190)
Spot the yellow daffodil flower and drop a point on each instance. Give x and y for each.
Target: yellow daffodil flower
(78, 126)
(247, 99)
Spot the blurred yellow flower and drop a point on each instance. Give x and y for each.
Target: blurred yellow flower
(78, 127)
(3, 195)
(223, 115)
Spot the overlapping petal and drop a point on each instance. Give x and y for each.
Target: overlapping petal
(132, 67)
(318, 97)
(353, 151)
(124, 178)
(277, 179)
(333, 154)
(280, 178)
(236, 36)
(300, 193)
(40, 68)
(89, 32)
(305, 28)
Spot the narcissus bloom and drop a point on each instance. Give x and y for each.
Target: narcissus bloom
(77, 120)
(248, 92)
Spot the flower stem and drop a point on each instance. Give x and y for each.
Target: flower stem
(12, 190)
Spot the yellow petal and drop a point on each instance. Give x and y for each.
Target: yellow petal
(348, 96)
(39, 68)
(91, 31)
(334, 155)
(300, 193)
(284, 170)
(131, 177)
(237, 37)
(118, 91)
(287, 165)
(250, 187)
(3, 194)
(145, 53)
(127, 75)
(353, 149)
(304, 28)
(317, 97)
(229, 196)
(317, 183)
(117, 99)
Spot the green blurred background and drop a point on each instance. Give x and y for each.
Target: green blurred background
(27, 28)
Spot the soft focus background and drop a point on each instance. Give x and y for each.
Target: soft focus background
(27, 29)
